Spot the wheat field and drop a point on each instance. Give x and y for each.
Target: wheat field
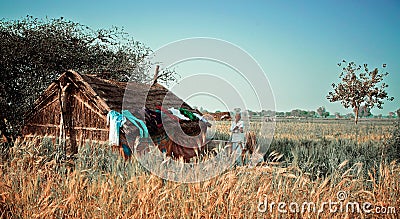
(308, 162)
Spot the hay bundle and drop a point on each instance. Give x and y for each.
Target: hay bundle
(251, 142)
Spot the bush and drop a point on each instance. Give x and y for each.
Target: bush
(393, 145)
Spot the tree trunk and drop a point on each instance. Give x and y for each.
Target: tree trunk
(356, 115)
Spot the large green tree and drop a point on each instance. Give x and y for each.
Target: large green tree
(359, 87)
(34, 52)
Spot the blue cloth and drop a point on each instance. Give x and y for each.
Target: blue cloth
(127, 150)
(115, 120)
(142, 128)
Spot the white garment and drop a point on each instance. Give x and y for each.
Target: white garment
(237, 152)
(237, 136)
(237, 140)
(115, 120)
(239, 124)
(177, 113)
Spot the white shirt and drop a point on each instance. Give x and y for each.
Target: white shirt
(237, 136)
(239, 124)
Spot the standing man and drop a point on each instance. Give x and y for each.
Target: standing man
(237, 137)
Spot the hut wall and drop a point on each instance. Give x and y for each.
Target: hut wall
(46, 119)
(87, 121)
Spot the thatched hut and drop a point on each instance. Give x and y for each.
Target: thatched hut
(74, 108)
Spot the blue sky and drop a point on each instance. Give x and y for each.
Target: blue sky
(297, 43)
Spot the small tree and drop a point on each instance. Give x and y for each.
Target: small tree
(359, 87)
(295, 113)
(321, 111)
(364, 111)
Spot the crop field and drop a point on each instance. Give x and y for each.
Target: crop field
(313, 169)
(378, 130)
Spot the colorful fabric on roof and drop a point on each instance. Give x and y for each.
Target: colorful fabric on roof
(177, 113)
(188, 114)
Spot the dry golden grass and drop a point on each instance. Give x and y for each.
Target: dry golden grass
(99, 184)
(235, 194)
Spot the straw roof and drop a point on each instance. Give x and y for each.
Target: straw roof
(113, 93)
(109, 94)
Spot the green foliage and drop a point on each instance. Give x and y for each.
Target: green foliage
(301, 113)
(393, 145)
(320, 158)
(322, 112)
(364, 111)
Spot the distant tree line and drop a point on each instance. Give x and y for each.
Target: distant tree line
(321, 112)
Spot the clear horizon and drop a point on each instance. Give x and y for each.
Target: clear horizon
(297, 44)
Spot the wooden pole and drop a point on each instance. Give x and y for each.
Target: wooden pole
(64, 118)
(61, 139)
(156, 74)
